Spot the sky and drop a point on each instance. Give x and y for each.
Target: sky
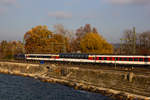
(110, 17)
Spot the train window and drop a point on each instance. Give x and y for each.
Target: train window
(72, 56)
(32, 56)
(40, 56)
(69, 56)
(120, 59)
(130, 59)
(75, 56)
(140, 59)
(79, 56)
(66, 56)
(116, 58)
(100, 58)
(46, 57)
(62, 56)
(145, 59)
(83, 56)
(105, 58)
(136, 59)
(125, 59)
(110, 58)
(86, 56)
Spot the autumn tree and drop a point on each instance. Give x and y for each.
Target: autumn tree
(68, 35)
(41, 40)
(80, 33)
(9, 49)
(38, 39)
(61, 42)
(94, 43)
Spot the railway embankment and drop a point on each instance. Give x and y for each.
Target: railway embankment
(112, 83)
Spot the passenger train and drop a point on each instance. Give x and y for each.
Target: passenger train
(88, 58)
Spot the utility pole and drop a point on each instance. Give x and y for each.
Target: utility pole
(121, 45)
(64, 46)
(121, 48)
(23, 45)
(134, 40)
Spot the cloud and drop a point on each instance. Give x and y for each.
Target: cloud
(92, 16)
(60, 15)
(126, 2)
(7, 2)
(2, 10)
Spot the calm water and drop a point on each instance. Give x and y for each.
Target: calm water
(25, 88)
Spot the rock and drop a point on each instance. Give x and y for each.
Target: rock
(130, 76)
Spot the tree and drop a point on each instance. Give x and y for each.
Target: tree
(139, 42)
(129, 42)
(38, 40)
(41, 40)
(144, 43)
(9, 49)
(80, 33)
(94, 43)
(60, 42)
(68, 35)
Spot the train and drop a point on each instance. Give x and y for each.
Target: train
(88, 58)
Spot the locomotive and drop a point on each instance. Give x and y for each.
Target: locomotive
(88, 58)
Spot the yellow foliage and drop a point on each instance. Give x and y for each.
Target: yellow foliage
(40, 40)
(9, 49)
(94, 43)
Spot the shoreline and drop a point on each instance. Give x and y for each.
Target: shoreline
(67, 76)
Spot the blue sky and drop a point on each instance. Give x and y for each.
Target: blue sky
(110, 17)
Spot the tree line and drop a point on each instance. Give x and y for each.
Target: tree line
(9, 49)
(134, 43)
(85, 39)
(40, 39)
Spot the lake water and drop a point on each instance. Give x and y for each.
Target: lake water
(25, 88)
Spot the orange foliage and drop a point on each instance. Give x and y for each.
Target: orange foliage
(40, 40)
(9, 49)
(94, 43)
